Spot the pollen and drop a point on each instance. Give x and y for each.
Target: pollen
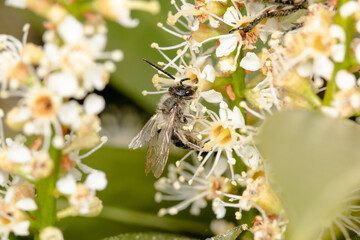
(223, 135)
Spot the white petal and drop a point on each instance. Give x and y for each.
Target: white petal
(4, 178)
(16, 3)
(305, 69)
(97, 44)
(195, 25)
(23, 115)
(323, 66)
(330, 111)
(52, 53)
(358, 26)
(231, 16)
(221, 167)
(348, 8)
(213, 22)
(338, 52)
(27, 204)
(237, 118)
(252, 157)
(22, 228)
(212, 96)
(224, 111)
(125, 19)
(254, 8)
(227, 45)
(357, 53)
(65, 84)
(70, 29)
(69, 114)
(93, 78)
(355, 101)
(94, 104)
(337, 32)
(345, 80)
(19, 154)
(218, 209)
(96, 181)
(66, 185)
(210, 73)
(250, 62)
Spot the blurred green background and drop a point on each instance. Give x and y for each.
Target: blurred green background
(129, 204)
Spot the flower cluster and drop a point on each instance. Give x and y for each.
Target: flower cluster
(56, 114)
(248, 59)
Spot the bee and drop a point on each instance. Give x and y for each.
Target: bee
(166, 126)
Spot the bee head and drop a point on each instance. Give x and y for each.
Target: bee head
(183, 92)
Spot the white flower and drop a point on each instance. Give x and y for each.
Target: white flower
(119, 10)
(218, 208)
(22, 228)
(19, 153)
(66, 184)
(345, 80)
(64, 84)
(337, 32)
(26, 204)
(70, 29)
(96, 181)
(228, 44)
(212, 96)
(94, 104)
(357, 53)
(16, 3)
(182, 186)
(69, 114)
(348, 8)
(250, 62)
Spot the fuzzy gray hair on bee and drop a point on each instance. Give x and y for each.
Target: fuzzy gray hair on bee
(166, 125)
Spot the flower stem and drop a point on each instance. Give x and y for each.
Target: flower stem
(46, 201)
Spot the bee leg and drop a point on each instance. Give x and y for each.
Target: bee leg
(191, 117)
(187, 143)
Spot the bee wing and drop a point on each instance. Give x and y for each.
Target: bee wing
(159, 147)
(146, 133)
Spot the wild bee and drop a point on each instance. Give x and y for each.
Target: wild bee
(166, 126)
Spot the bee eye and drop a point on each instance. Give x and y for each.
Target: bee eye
(187, 92)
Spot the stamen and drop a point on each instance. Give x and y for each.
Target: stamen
(200, 166)
(214, 38)
(26, 29)
(172, 47)
(103, 140)
(342, 229)
(183, 158)
(171, 32)
(47, 138)
(177, 57)
(244, 105)
(217, 158)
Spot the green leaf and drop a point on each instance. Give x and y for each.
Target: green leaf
(313, 162)
(232, 234)
(148, 236)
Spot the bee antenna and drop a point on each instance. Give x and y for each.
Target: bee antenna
(158, 68)
(183, 80)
